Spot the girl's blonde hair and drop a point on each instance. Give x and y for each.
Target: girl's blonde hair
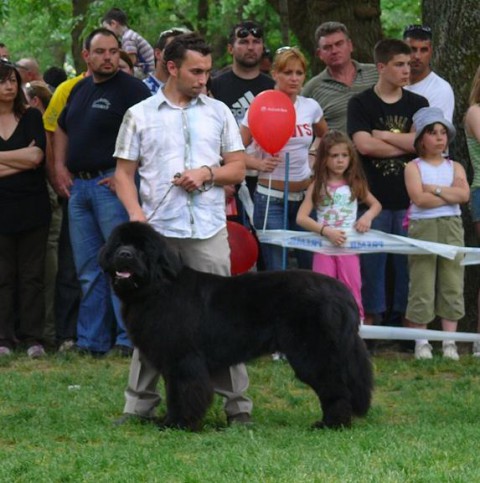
(474, 97)
(284, 55)
(354, 175)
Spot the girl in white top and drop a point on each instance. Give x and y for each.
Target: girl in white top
(338, 185)
(288, 70)
(436, 187)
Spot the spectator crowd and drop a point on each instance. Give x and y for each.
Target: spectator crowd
(148, 133)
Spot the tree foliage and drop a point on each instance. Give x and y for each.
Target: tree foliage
(51, 29)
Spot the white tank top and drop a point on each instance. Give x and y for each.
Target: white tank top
(439, 175)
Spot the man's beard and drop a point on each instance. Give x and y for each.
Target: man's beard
(249, 62)
(99, 74)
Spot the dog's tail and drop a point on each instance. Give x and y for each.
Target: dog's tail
(361, 378)
(359, 371)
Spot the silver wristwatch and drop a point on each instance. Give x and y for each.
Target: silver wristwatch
(437, 191)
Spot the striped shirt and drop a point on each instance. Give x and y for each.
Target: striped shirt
(166, 139)
(333, 96)
(134, 43)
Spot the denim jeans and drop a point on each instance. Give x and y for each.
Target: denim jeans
(94, 211)
(374, 266)
(273, 254)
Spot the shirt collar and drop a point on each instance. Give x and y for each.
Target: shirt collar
(325, 74)
(163, 100)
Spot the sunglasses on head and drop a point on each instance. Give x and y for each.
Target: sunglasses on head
(244, 32)
(7, 62)
(285, 49)
(417, 28)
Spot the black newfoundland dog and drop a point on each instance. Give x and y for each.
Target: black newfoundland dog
(190, 324)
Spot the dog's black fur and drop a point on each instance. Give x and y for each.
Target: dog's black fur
(190, 324)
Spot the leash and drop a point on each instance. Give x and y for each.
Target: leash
(176, 176)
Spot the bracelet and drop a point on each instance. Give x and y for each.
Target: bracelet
(209, 184)
(321, 229)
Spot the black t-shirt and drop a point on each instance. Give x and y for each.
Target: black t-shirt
(238, 93)
(92, 118)
(366, 112)
(24, 202)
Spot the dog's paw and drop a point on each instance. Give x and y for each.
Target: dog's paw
(324, 425)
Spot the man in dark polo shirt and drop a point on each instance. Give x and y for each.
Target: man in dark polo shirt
(84, 145)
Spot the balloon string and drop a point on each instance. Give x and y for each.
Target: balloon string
(268, 202)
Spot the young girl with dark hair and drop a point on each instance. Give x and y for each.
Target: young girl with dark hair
(338, 185)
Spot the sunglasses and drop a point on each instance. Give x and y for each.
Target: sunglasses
(7, 62)
(245, 32)
(418, 28)
(285, 49)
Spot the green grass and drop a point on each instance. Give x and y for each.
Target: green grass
(56, 426)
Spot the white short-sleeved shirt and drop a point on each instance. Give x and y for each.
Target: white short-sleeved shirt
(308, 112)
(166, 139)
(438, 92)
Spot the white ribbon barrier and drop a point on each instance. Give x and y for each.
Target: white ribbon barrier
(372, 241)
(399, 333)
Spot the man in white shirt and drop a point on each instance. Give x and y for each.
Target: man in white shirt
(423, 80)
(186, 147)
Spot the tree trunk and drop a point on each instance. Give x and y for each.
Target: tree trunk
(455, 24)
(79, 12)
(362, 18)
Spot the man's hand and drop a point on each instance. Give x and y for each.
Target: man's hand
(109, 182)
(192, 179)
(62, 181)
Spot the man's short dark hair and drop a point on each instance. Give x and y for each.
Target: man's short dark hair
(167, 34)
(250, 25)
(99, 31)
(54, 76)
(116, 14)
(177, 48)
(386, 49)
(329, 28)
(417, 32)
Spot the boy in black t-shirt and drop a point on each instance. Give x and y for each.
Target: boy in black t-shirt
(379, 120)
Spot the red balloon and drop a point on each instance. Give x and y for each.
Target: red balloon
(243, 248)
(271, 119)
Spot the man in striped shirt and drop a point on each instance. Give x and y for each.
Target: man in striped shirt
(342, 78)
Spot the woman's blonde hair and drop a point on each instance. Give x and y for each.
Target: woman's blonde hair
(474, 97)
(284, 55)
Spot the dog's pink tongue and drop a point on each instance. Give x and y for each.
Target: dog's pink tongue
(123, 274)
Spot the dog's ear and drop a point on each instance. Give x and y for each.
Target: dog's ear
(167, 262)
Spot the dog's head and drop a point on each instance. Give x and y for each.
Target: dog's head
(137, 258)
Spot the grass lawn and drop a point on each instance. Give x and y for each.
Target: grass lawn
(56, 426)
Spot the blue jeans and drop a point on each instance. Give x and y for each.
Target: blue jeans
(94, 211)
(373, 268)
(273, 254)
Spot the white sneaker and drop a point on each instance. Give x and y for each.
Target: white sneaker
(476, 349)
(450, 351)
(5, 351)
(36, 351)
(423, 351)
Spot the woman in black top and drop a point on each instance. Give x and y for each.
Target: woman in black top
(24, 218)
